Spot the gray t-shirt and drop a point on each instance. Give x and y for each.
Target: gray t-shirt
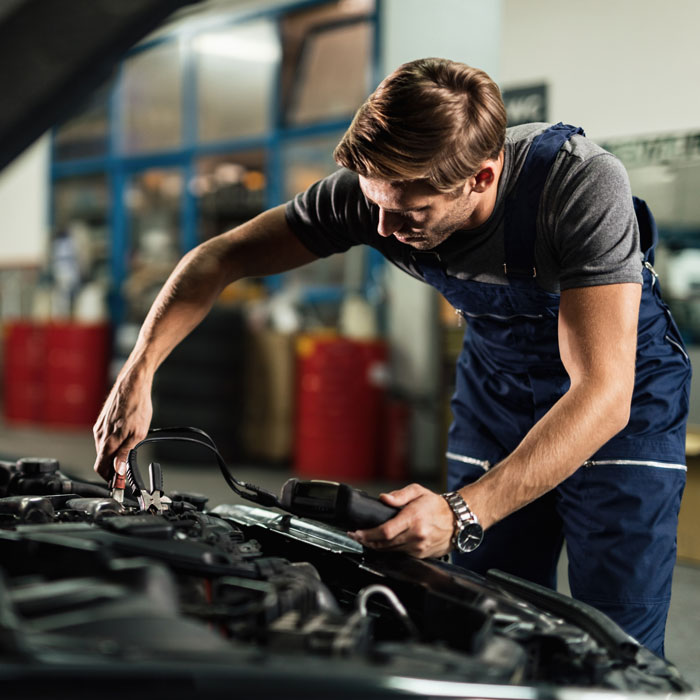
(587, 232)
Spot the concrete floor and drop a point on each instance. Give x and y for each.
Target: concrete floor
(75, 452)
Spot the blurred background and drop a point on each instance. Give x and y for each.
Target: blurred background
(344, 368)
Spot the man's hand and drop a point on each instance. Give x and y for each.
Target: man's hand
(423, 528)
(123, 422)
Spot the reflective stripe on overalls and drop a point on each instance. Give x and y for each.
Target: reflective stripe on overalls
(619, 511)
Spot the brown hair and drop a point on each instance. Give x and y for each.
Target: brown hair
(431, 119)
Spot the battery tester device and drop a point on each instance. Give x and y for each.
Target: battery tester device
(334, 503)
(330, 502)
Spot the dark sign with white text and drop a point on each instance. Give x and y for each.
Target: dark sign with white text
(526, 104)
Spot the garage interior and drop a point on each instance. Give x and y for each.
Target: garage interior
(227, 108)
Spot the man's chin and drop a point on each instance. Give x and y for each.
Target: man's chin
(415, 242)
(421, 245)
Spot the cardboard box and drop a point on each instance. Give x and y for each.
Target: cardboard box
(268, 417)
(689, 518)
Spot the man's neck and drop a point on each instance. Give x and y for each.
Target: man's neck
(486, 200)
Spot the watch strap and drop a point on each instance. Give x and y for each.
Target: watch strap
(462, 514)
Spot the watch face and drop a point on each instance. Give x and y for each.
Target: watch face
(470, 537)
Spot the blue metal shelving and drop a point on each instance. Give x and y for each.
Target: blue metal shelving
(119, 167)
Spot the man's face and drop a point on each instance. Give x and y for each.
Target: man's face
(415, 213)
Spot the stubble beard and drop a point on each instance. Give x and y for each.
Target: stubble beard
(454, 220)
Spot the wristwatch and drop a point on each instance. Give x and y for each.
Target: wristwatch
(468, 532)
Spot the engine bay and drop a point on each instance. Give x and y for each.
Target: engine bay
(195, 600)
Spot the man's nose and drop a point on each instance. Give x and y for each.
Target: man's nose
(389, 223)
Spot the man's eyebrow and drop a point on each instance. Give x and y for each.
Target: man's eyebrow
(395, 211)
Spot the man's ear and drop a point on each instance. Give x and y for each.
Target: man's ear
(484, 179)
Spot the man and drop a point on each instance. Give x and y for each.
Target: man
(572, 387)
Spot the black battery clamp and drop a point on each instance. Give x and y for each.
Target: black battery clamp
(330, 502)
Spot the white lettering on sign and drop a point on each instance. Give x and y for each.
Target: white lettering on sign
(656, 151)
(528, 108)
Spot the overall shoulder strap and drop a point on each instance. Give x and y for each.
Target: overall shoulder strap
(522, 204)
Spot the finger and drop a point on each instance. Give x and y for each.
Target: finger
(411, 542)
(120, 466)
(379, 535)
(103, 463)
(386, 531)
(118, 470)
(401, 497)
(107, 455)
(406, 542)
(119, 461)
(401, 540)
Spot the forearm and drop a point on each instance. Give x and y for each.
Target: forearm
(583, 420)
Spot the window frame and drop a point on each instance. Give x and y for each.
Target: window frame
(119, 167)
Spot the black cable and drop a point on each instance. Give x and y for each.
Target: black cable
(86, 487)
(196, 436)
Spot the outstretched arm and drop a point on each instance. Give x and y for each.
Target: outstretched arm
(263, 246)
(597, 343)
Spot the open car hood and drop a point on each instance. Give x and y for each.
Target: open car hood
(54, 54)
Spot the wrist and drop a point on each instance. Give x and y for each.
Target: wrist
(468, 532)
(479, 497)
(138, 372)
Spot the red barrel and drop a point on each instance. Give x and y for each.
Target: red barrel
(24, 371)
(77, 357)
(340, 395)
(395, 443)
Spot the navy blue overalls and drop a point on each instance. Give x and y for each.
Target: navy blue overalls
(618, 512)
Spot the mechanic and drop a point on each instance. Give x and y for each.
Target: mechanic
(572, 385)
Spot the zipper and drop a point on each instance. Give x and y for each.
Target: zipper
(483, 463)
(633, 463)
(467, 314)
(678, 346)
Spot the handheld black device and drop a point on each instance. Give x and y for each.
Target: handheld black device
(334, 503)
(328, 501)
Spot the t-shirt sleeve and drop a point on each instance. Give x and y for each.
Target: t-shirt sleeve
(331, 216)
(594, 231)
